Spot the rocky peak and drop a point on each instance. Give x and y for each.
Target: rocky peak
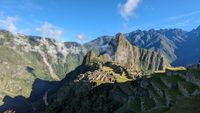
(122, 52)
(89, 57)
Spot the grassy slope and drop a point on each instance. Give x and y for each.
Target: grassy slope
(186, 105)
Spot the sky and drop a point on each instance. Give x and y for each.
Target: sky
(85, 20)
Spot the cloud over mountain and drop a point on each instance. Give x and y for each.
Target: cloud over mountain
(81, 37)
(9, 24)
(127, 9)
(49, 30)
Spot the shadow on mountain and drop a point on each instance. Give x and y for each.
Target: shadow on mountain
(40, 87)
(21, 104)
(30, 70)
(43, 92)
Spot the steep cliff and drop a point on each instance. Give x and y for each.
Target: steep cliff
(122, 52)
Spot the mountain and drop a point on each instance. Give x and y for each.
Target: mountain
(171, 43)
(100, 87)
(26, 58)
(137, 60)
(164, 41)
(189, 51)
(37, 72)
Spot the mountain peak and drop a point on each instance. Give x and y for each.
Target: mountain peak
(121, 38)
(198, 28)
(119, 35)
(89, 57)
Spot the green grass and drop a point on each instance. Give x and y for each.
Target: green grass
(182, 71)
(99, 82)
(186, 105)
(15, 86)
(148, 103)
(9, 55)
(36, 62)
(188, 86)
(161, 109)
(176, 68)
(135, 105)
(160, 100)
(172, 79)
(173, 94)
(122, 78)
(156, 80)
(195, 73)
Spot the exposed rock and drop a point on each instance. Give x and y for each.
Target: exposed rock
(134, 59)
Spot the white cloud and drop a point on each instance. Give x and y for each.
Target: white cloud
(81, 37)
(48, 30)
(8, 24)
(183, 20)
(127, 9)
(183, 16)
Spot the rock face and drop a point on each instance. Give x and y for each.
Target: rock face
(122, 52)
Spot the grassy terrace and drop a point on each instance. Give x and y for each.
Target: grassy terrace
(173, 93)
(172, 79)
(135, 105)
(147, 103)
(161, 109)
(156, 97)
(195, 73)
(176, 68)
(156, 80)
(186, 105)
(189, 86)
(182, 71)
(122, 78)
(99, 82)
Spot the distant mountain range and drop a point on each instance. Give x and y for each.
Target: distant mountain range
(181, 48)
(172, 43)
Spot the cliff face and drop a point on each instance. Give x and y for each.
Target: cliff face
(136, 58)
(122, 52)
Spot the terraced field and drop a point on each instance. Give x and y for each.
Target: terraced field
(160, 93)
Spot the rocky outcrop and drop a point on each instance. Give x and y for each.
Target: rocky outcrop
(134, 59)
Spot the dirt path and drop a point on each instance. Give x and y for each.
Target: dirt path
(45, 98)
(53, 75)
(51, 71)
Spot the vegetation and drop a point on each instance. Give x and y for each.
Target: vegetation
(195, 73)
(172, 79)
(186, 105)
(190, 87)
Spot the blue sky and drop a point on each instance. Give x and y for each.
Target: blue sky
(84, 20)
